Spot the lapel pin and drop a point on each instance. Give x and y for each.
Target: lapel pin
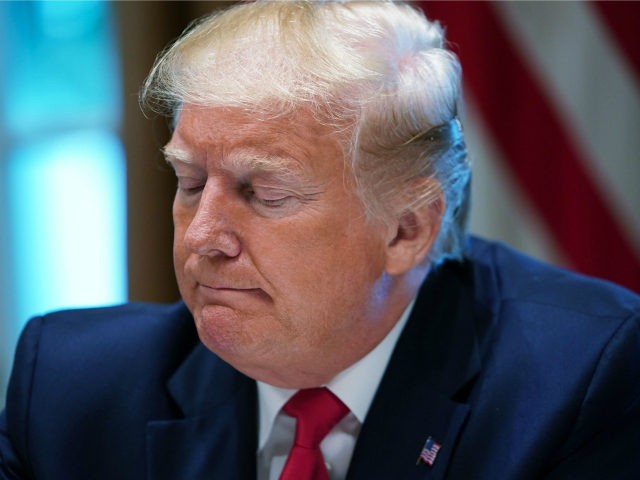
(429, 452)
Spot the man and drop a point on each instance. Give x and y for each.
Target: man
(337, 323)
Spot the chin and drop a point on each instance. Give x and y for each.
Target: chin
(280, 373)
(229, 334)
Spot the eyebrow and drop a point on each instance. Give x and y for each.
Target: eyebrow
(172, 154)
(247, 161)
(260, 162)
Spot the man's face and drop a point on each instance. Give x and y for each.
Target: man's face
(273, 255)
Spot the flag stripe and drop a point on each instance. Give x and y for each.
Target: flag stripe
(540, 153)
(498, 208)
(623, 20)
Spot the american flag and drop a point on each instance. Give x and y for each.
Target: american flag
(429, 452)
(552, 119)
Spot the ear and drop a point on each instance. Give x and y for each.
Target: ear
(413, 232)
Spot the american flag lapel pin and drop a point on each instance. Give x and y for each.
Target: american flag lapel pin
(429, 452)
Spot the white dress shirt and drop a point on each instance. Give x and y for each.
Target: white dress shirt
(355, 386)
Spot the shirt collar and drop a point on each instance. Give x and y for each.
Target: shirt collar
(355, 386)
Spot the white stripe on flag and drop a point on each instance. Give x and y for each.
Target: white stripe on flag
(499, 209)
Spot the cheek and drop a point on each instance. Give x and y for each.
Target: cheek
(325, 266)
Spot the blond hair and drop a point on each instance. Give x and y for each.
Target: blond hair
(378, 70)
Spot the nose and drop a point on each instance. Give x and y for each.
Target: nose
(210, 233)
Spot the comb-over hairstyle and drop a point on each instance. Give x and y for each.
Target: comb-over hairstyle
(377, 71)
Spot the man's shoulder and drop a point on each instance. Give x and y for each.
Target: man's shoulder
(148, 317)
(135, 335)
(88, 379)
(505, 275)
(119, 326)
(559, 365)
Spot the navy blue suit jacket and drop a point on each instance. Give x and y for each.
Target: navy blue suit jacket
(520, 371)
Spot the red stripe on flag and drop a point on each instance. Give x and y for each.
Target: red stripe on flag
(623, 22)
(542, 156)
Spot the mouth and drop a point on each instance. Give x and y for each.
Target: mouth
(229, 294)
(226, 287)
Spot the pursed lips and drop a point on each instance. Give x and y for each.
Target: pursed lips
(225, 287)
(223, 293)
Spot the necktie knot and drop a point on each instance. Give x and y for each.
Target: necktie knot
(317, 411)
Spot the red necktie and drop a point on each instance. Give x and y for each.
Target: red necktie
(317, 411)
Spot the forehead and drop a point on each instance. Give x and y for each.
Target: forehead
(235, 137)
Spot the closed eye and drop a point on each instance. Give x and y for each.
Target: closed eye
(189, 186)
(273, 202)
(267, 197)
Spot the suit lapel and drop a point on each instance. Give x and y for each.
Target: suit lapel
(217, 437)
(424, 389)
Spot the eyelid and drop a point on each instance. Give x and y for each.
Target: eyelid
(276, 192)
(277, 205)
(183, 169)
(190, 182)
